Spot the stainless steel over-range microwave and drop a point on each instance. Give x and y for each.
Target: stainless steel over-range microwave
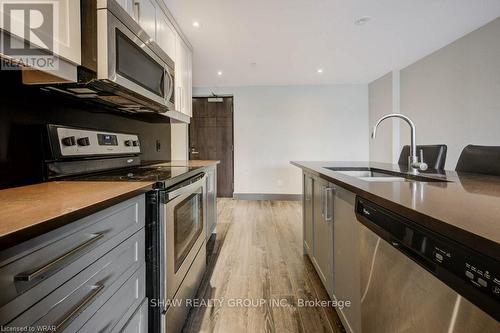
(122, 66)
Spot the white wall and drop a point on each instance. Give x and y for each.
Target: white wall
(276, 124)
(380, 103)
(452, 95)
(179, 140)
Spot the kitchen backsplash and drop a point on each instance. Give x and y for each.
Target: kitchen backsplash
(24, 108)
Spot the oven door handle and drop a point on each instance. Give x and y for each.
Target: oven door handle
(186, 189)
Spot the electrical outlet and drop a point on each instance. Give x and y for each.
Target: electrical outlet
(158, 145)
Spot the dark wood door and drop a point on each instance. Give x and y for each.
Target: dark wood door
(211, 138)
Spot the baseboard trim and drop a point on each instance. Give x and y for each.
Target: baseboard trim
(267, 196)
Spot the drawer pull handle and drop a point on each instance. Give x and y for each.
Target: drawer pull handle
(39, 272)
(96, 289)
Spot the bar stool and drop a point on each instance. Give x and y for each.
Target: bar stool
(434, 155)
(480, 159)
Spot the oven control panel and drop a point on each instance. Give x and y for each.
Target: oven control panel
(74, 142)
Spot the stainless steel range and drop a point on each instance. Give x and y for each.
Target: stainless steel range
(175, 214)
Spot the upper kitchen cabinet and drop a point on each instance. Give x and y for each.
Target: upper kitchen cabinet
(183, 77)
(190, 84)
(166, 36)
(68, 40)
(55, 31)
(144, 12)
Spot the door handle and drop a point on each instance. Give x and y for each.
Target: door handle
(188, 188)
(322, 199)
(328, 199)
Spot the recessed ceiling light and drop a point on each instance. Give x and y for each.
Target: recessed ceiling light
(362, 20)
(219, 73)
(320, 70)
(196, 24)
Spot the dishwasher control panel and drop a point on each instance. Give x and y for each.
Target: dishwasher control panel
(480, 271)
(471, 274)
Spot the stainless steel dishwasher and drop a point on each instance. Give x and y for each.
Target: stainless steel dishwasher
(414, 280)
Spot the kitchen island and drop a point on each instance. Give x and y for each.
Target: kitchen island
(402, 246)
(465, 207)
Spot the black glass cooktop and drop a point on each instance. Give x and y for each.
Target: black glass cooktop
(153, 173)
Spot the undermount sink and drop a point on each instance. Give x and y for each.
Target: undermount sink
(372, 176)
(377, 175)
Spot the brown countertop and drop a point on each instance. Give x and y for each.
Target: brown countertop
(28, 211)
(465, 208)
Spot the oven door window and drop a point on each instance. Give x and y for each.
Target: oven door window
(134, 64)
(188, 226)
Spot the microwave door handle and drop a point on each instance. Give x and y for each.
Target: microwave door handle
(170, 86)
(165, 75)
(162, 82)
(186, 189)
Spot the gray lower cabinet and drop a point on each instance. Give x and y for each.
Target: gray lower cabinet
(308, 215)
(138, 323)
(74, 302)
(331, 240)
(322, 245)
(211, 200)
(87, 276)
(30, 270)
(346, 270)
(113, 315)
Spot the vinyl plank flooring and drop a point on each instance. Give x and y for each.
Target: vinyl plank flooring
(256, 259)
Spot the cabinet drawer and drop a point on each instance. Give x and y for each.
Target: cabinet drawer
(114, 315)
(74, 302)
(31, 270)
(139, 321)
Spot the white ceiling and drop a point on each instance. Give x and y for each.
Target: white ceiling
(288, 40)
